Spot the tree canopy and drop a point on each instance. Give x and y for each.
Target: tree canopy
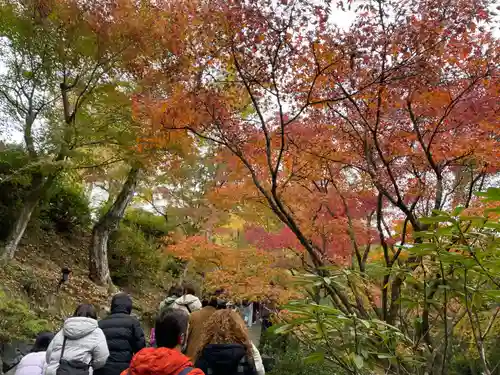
(290, 158)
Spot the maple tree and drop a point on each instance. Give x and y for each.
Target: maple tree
(73, 70)
(336, 151)
(242, 272)
(351, 137)
(143, 164)
(333, 127)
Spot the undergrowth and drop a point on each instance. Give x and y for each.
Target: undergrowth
(18, 321)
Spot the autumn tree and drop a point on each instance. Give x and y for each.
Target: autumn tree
(177, 191)
(75, 69)
(241, 271)
(142, 158)
(58, 55)
(347, 135)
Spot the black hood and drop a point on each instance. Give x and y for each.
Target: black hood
(42, 342)
(223, 357)
(121, 303)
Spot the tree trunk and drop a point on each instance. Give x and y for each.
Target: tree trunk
(98, 254)
(39, 187)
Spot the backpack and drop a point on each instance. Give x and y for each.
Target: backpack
(72, 367)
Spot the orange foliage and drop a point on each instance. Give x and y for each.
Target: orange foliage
(247, 273)
(343, 134)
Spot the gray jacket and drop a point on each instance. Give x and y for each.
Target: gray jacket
(85, 342)
(187, 302)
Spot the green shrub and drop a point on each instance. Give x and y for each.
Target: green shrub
(173, 266)
(66, 206)
(153, 226)
(290, 358)
(454, 291)
(133, 258)
(18, 321)
(135, 255)
(13, 186)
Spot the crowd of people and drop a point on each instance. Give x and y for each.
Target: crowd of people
(189, 338)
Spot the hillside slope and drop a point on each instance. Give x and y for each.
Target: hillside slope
(28, 286)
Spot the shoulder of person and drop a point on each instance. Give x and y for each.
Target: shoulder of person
(32, 359)
(98, 334)
(118, 318)
(58, 338)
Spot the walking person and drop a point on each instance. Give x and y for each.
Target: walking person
(124, 335)
(166, 359)
(34, 362)
(188, 301)
(197, 322)
(174, 293)
(225, 347)
(247, 313)
(79, 345)
(183, 298)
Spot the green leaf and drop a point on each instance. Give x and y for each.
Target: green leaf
(423, 248)
(457, 210)
(445, 231)
(471, 218)
(495, 294)
(384, 356)
(440, 213)
(435, 219)
(280, 329)
(359, 361)
(27, 74)
(477, 301)
(492, 225)
(365, 323)
(314, 358)
(492, 194)
(423, 235)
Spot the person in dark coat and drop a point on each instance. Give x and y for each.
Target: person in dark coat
(123, 333)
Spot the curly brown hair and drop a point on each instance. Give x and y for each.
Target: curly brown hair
(225, 327)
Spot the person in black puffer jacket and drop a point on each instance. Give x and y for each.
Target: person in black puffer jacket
(124, 335)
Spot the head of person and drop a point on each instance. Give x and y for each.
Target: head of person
(225, 327)
(171, 327)
(42, 342)
(189, 289)
(121, 303)
(212, 301)
(86, 310)
(221, 302)
(175, 290)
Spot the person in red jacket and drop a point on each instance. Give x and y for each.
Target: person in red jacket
(166, 359)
